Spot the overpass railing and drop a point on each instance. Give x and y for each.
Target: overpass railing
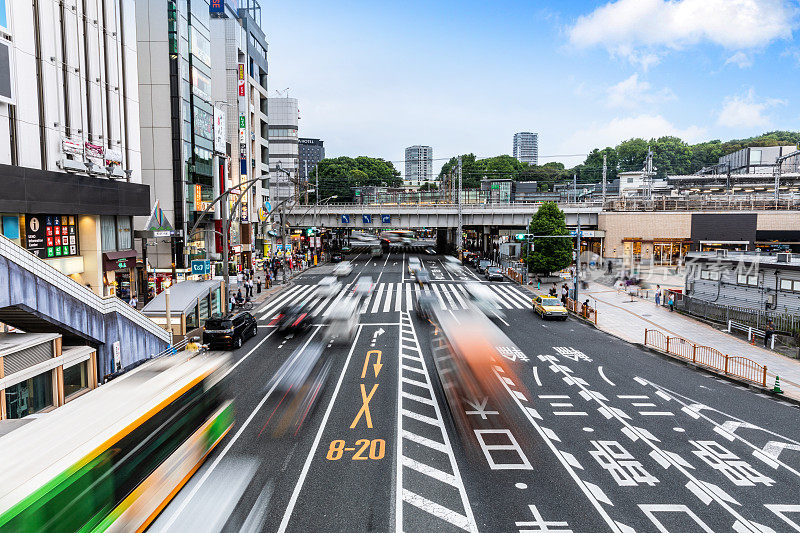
(616, 203)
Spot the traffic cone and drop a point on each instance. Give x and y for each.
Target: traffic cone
(777, 387)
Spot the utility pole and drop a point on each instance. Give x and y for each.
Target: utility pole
(460, 236)
(575, 187)
(604, 178)
(316, 195)
(305, 164)
(648, 175)
(577, 259)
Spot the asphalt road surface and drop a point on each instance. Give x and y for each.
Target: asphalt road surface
(593, 435)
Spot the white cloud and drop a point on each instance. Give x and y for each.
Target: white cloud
(746, 111)
(632, 93)
(622, 128)
(740, 59)
(642, 30)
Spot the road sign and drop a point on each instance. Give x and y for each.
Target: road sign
(366, 219)
(345, 219)
(201, 267)
(386, 219)
(268, 207)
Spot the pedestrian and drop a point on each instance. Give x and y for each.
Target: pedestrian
(658, 297)
(239, 278)
(671, 302)
(769, 331)
(258, 286)
(586, 308)
(232, 303)
(538, 283)
(133, 301)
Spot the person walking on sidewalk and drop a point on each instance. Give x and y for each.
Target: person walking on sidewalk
(658, 296)
(671, 302)
(769, 331)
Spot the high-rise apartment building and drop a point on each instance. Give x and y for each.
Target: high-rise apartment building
(70, 161)
(526, 147)
(310, 152)
(284, 159)
(419, 165)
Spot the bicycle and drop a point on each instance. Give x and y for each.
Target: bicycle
(247, 305)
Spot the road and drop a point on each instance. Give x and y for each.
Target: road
(595, 434)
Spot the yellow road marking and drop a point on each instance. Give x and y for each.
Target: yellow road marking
(377, 366)
(365, 407)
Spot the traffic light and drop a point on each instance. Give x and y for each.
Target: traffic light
(311, 231)
(522, 237)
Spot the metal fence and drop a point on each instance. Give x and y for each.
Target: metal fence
(736, 366)
(703, 203)
(586, 311)
(723, 313)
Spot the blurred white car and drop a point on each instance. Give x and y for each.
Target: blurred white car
(363, 286)
(343, 320)
(345, 268)
(452, 265)
(414, 264)
(484, 299)
(328, 286)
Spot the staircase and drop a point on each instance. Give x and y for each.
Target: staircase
(35, 297)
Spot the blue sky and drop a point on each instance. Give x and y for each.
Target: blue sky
(374, 77)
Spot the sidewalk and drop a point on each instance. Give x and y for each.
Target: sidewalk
(627, 318)
(277, 285)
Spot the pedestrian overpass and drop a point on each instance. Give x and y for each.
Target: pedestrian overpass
(37, 298)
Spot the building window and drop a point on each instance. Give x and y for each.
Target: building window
(76, 378)
(30, 396)
(744, 279)
(124, 233)
(108, 233)
(790, 285)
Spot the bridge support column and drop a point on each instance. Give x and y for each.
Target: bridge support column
(443, 242)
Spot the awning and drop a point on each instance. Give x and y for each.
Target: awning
(121, 260)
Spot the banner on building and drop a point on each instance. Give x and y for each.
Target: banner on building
(219, 130)
(240, 71)
(113, 157)
(215, 6)
(94, 151)
(51, 236)
(198, 197)
(72, 146)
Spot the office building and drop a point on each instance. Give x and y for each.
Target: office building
(284, 159)
(177, 124)
(310, 152)
(419, 166)
(526, 147)
(239, 89)
(70, 161)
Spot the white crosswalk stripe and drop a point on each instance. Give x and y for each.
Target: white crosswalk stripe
(393, 297)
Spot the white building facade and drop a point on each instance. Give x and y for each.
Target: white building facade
(526, 147)
(69, 135)
(284, 159)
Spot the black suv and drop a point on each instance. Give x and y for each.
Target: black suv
(230, 331)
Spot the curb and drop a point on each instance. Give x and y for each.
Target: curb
(733, 379)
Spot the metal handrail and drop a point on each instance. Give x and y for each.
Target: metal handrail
(28, 261)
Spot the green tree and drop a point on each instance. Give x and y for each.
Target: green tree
(338, 176)
(549, 255)
(428, 186)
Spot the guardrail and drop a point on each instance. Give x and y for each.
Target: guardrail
(585, 311)
(756, 318)
(735, 366)
(50, 274)
(752, 332)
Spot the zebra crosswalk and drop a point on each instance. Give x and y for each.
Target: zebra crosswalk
(395, 297)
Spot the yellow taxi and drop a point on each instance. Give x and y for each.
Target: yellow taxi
(549, 307)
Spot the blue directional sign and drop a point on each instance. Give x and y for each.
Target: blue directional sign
(345, 219)
(366, 219)
(201, 267)
(386, 219)
(268, 207)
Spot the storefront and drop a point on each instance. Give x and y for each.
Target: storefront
(592, 243)
(119, 273)
(670, 252)
(161, 278)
